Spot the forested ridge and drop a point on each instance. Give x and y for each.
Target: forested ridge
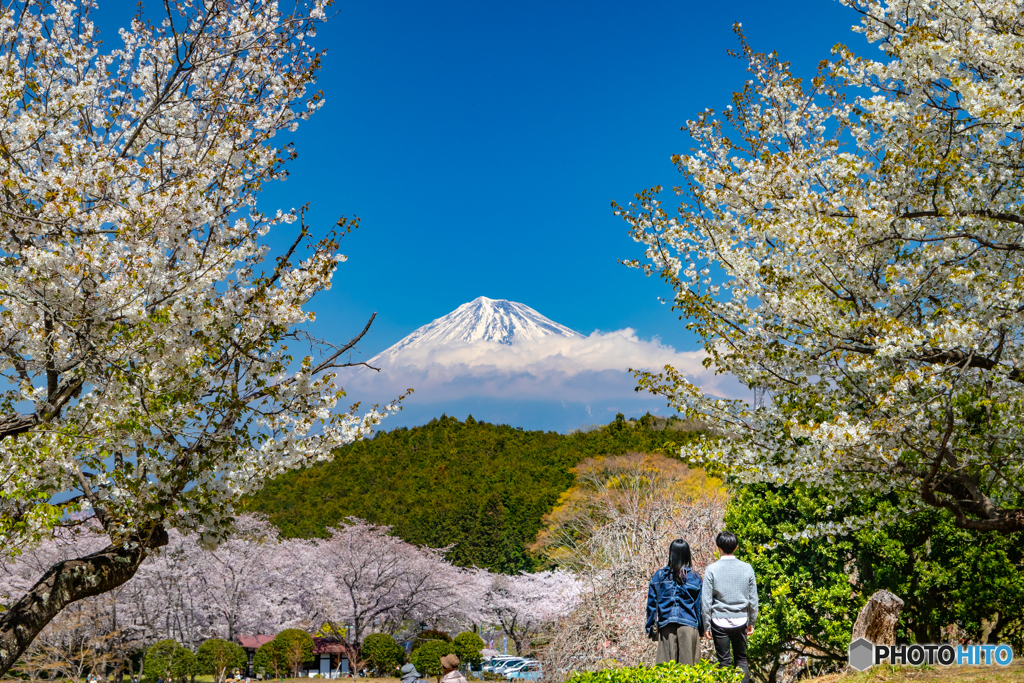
(478, 487)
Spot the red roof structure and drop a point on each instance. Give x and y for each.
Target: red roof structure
(253, 642)
(324, 646)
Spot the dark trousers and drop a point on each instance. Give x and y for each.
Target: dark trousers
(736, 639)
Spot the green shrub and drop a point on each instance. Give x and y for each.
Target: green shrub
(295, 647)
(217, 657)
(468, 646)
(269, 661)
(427, 657)
(186, 667)
(703, 672)
(167, 660)
(382, 653)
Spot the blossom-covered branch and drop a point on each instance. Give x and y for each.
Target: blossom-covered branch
(852, 245)
(154, 367)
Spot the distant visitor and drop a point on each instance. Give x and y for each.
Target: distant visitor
(450, 669)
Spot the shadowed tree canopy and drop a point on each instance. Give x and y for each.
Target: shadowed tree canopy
(812, 588)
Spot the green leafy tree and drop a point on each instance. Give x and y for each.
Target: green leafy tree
(296, 648)
(480, 487)
(468, 646)
(168, 660)
(427, 657)
(269, 660)
(382, 653)
(216, 656)
(812, 586)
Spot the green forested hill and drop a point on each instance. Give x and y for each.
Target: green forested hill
(479, 487)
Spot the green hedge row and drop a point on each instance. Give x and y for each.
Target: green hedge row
(704, 672)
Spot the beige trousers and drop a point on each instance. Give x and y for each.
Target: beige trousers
(678, 643)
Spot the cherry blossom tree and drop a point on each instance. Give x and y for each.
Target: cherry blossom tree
(250, 581)
(523, 604)
(181, 592)
(852, 245)
(247, 585)
(155, 371)
(89, 635)
(359, 580)
(166, 594)
(365, 579)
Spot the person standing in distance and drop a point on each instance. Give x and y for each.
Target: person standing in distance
(673, 608)
(730, 604)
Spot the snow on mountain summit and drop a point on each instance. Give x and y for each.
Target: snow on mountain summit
(481, 320)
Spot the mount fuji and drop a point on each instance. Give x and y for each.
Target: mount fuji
(481, 320)
(504, 362)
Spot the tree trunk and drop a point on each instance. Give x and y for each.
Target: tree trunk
(65, 583)
(990, 629)
(878, 618)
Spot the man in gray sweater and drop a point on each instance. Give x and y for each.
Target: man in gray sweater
(729, 604)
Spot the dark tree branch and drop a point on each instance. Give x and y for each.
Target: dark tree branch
(67, 582)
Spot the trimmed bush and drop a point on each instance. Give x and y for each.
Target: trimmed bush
(468, 646)
(382, 654)
(702, 672)
(427, 657)
(296, 648)
(216, 657)
(269, 662)
(167, 660)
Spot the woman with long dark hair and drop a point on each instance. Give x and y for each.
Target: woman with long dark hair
(673, 608)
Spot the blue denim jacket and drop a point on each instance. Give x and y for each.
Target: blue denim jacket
(669, 602)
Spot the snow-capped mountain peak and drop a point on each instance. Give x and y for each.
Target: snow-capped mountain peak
(481, 320)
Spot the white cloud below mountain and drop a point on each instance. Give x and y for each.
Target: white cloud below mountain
(553, 367)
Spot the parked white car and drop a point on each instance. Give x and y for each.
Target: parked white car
(497, 661)
(505, 667)
(517, 667)
(528, 672)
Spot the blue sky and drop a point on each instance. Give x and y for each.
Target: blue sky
(482, 143)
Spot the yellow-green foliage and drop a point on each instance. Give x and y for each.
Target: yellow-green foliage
(703, 672)
(606, 482)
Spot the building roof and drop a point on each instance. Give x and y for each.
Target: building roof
(323, 646)
(253, 642)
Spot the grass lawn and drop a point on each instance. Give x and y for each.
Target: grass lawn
(927, 674)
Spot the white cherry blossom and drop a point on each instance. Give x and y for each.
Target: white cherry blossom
(156, 366)
(853, 244)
